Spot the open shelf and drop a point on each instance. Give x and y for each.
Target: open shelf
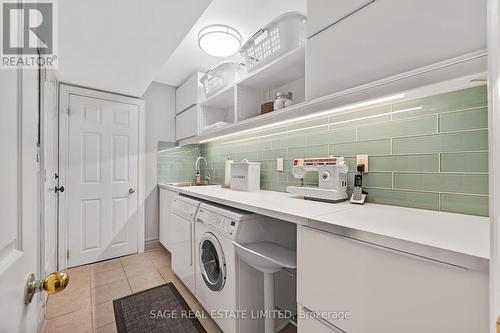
(219, 107)
(239, 104)
(286, 73)
(287, 68)
(222, 99)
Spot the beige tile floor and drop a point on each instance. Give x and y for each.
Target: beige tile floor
(86, 306)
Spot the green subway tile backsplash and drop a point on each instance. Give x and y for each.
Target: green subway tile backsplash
(442, 182)
(463, 120)
(452, 101)
(410, 163)
(376, 147)
(451, 142)
(397, 128)
(429, 153)
(465, 162)
(334, 136)
(424, 200)
(176, 164)
(466, 204)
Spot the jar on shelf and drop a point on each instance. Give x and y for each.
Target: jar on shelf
(283, 100)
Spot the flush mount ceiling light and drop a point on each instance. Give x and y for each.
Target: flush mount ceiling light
(219, 40)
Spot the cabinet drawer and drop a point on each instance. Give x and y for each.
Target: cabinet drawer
(187, 123)
(321, 13)
(390, 37)
(384, 290)
(188, 94)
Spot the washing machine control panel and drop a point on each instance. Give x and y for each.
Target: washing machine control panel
(220, 224)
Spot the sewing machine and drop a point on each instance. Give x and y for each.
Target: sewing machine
(332, 178)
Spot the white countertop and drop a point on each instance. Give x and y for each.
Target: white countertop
(437, 235)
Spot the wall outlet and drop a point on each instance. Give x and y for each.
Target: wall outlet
(279, 164)
(363, 160)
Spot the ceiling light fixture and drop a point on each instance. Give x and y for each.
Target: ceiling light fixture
(219, 40)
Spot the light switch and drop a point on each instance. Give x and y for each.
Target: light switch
(279, 164)
(362, 160)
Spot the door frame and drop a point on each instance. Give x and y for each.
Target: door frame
(65, 91)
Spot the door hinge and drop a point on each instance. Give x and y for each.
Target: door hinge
(68, 111)
(67, 254)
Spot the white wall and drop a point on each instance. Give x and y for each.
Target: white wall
(160, 126)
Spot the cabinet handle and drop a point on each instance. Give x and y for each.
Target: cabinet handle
(324, 321)
(369, 2)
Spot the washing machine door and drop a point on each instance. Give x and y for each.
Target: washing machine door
(212, 262)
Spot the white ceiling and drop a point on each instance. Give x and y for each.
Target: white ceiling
(247, 16)
(120, 45)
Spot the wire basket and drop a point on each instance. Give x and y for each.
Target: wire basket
(221, 76)
(283, 34)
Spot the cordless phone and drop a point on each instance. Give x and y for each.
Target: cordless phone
(358, 195)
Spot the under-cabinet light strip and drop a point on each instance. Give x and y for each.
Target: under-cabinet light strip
(322, 125)
(311, 116)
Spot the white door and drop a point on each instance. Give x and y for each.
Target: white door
(102, 179)
(19, 208)
(494, 158)
(49, 170)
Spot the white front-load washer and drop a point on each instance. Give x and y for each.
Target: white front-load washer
(182, 239)
(228, 288)
(216, 281)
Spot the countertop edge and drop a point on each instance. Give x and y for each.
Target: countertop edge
(426, 252)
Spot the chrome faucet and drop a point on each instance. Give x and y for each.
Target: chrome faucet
(197, 169)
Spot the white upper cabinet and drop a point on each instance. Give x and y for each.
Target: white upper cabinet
(322, 13)
(189, 93)
(187, 123)
(386, 38)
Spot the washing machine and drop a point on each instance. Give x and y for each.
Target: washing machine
(219, 273)
(184, 210)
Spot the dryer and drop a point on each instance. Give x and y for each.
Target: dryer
(182, 239)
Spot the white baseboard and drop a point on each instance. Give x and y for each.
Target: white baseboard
(152, 245)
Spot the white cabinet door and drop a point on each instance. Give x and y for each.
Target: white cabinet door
(321, 13)
(187, 123)
(390, 37)
(166, 200)
(188, 93)
(385, 290)
(182, 250)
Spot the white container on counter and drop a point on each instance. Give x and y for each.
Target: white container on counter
(245, 176)
(227, 172)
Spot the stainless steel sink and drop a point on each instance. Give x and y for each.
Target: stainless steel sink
(191, 184)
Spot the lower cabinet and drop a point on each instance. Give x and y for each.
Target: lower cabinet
(350, 286)
(166, 200)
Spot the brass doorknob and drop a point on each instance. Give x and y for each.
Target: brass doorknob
(53, 283)
(498, 324)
